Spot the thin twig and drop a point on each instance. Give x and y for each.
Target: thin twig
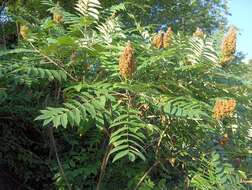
(119, 94)
(51, 136)
(145, 174)
(18, 35)
(160, 139)
(247, 181)
(4, 37)
(103, 166)
(53, 144)
(52, 61)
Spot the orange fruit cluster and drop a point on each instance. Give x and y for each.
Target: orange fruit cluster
(229, 46)
(167, 40)
(24, 31)
(224, 108)
(73, 56)
(224, 139)
(158, 40)
(127, 62)
(163, 40)
(57, 14)
(57, 17)
(199, 33)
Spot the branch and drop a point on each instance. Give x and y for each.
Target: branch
(54, 147)
(249, 181)
(51, 136)
(52, 61)
(103, 166)
(160, 140)
(145, 174)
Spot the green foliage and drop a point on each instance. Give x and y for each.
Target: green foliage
(128, 138)
(189, 109)
(88, 8)
(214, 174)
(201, 51)
(47, 74)
(81, 106)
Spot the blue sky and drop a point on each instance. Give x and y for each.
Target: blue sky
(241, 17)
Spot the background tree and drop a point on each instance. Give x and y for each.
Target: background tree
(185, 15)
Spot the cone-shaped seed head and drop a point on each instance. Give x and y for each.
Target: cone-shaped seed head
(126, 62)
(158, 40)
(167, 40)
(224, 139)
(224, 108)
(57, 18)
(24, 31)
(199, 33)
(73, 57)
(57, 14)
(229, 46)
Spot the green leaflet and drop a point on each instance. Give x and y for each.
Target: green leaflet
(15, 51)
(127, 138)
(185, 108)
